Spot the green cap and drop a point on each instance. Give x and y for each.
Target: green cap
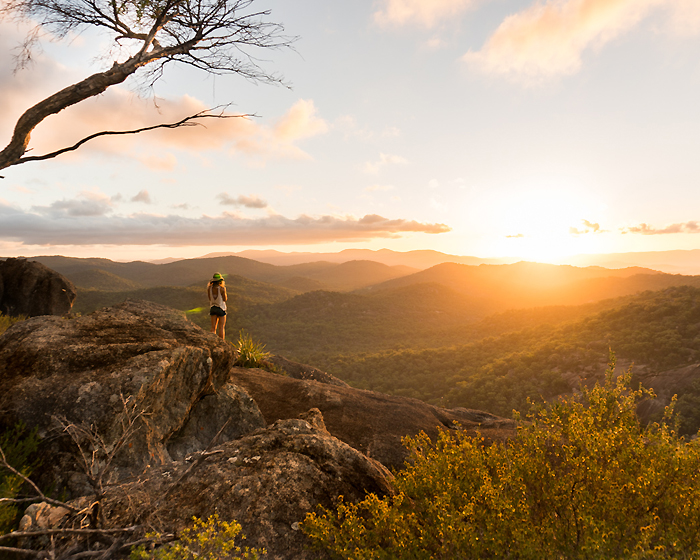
(218, 277)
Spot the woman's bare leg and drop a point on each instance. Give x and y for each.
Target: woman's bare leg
(214, 320)
(222, 324)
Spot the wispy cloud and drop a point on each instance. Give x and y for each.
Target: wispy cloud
(549, 38)
(384, 159)
(645, 229)
(250, 201)
(426, 13)
(516, 236)
(590, 227)
(63, 223)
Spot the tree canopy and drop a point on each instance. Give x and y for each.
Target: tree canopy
(215, 36)
(583, 478)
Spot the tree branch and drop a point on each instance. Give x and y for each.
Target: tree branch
(187, 121)
(65, 531)
(40, 494)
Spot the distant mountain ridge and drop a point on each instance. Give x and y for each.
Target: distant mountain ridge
(672, 262)
(420, 259)
(320, 275)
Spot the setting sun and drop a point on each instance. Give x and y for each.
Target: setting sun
(544, 224)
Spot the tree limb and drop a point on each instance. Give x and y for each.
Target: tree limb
(40, 494)
(187, 121)
(66, 531)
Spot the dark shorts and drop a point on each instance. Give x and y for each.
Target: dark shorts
(216, 310)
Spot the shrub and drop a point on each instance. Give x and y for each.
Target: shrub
(251, 354)
(582, 479)
(19, 446)
(212, 539)
(6, 322)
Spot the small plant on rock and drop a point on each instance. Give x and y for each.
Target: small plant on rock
(251, 353)
(6, 322)
(212, 539)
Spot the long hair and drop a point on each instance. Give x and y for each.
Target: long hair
(213, 282)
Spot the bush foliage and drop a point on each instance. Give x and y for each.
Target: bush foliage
(19, 446)
(582, 479)
(211, 539)
(6, 322)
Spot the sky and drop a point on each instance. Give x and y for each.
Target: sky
(494, 128)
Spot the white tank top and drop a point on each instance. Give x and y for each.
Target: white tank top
(218, 300)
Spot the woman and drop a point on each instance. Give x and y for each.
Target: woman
(216, 291)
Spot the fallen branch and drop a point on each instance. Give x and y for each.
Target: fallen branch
(67, 531)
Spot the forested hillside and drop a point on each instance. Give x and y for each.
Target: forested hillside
(659, 331)
(452, 335)
(108, 275)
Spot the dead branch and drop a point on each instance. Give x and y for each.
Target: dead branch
(40, 495)
(67, 531)
(187, 121)
(216, 36)
(21, 551)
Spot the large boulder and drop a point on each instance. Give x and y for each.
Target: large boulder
(139, 367)
(371, 422)
(268, 481)
(30, 288)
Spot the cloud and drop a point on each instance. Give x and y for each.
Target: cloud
(87, 204)
(549, 38)
(384, 159)
(300, 121)
(64, 228)
(591, 227)
(142, 196)
(516, 236)
(251, 201)
(426, 13)
(646, 229)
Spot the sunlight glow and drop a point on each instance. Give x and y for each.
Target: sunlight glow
(544, 224)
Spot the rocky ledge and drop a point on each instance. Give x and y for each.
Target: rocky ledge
(169, 428)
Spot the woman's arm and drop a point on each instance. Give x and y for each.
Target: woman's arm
(223, 293)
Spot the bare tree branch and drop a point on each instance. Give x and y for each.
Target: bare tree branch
(216, 36)
(40, 495)
(187, 121)
(26, 551)
(67, 531)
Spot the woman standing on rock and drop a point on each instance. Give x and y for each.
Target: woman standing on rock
(216, 291)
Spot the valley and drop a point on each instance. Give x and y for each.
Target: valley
(488, 336)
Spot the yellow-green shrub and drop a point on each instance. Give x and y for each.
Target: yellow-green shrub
(6, 322)
(582, 479)
(212, 539)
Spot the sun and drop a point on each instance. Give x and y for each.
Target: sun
(543, 224)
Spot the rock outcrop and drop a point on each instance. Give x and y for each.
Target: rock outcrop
(178, 431)
(32, 289)
(267, 481)
(137, 364)
(373, 423)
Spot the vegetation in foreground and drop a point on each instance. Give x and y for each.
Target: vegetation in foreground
(6, 322)
(18, 447)
(251, 354)
(582, 479)
(210, 539)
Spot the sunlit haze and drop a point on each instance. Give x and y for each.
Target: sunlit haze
(521, 128)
